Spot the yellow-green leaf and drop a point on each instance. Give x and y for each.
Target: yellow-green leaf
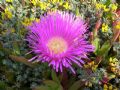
(21, 59)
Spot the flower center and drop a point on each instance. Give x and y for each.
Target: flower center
(57, 45)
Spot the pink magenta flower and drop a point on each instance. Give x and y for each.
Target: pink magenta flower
(59, 40)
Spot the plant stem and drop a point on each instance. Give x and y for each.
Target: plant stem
(65, 79)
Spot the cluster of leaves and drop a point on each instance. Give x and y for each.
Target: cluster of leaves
(102, 71)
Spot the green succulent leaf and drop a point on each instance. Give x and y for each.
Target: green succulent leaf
(76, 85)
(54, 77)
(104, 49)
(49, 85)
(21, 59)
(96, 43)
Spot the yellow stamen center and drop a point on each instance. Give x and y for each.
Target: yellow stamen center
(57, 45)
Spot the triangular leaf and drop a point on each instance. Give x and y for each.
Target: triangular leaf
(21, 59)
(96, 43)
(76, 85)
(104, 49)
(54, 77)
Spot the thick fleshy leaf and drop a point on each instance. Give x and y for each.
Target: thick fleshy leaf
(104, 49)
(54, 77)
(76, 85)
(96, 43)
(53, 85)
(49, 85)
(21, 59)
